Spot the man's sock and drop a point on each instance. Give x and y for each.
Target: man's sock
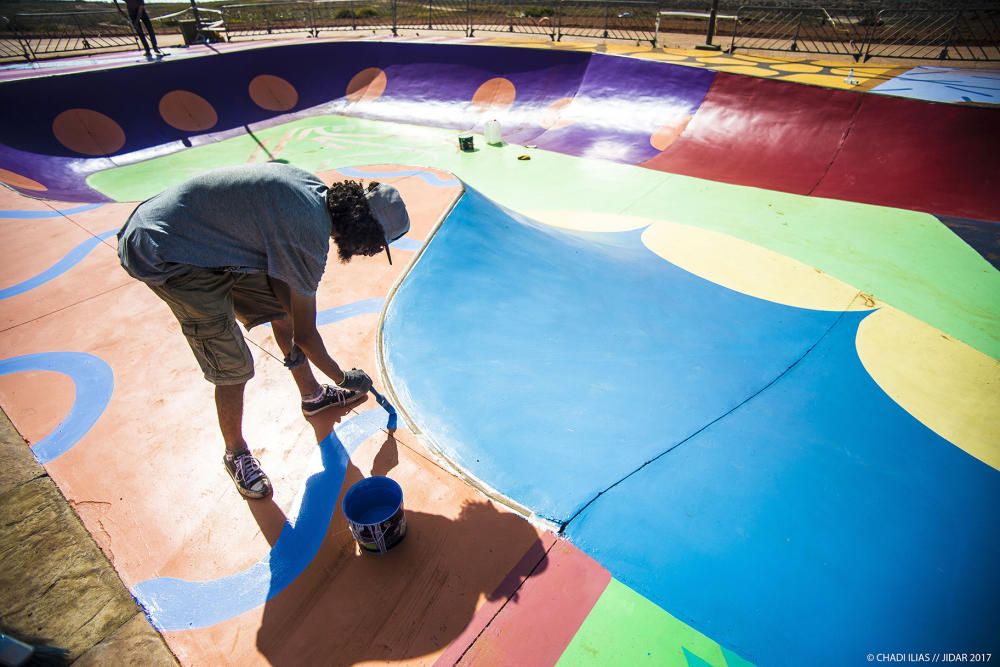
(314, 396)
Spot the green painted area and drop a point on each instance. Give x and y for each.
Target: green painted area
(904, 258)
(624, 628)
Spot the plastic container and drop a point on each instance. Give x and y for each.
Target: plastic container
(492, 133)
(374, 511)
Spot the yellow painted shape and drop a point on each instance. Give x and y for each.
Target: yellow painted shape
(821, 80)
(797, 67)
(588, 221)
(745, 69)
(694, 53)
(860, 73)
(748, 268)
(948, 386)
(670, 57)
(721, 60)
(767, 60)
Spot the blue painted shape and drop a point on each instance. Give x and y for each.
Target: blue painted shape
(34, 215)
(407, 244)
(815, 524)
(338, 313)
(425, 175)
(944, 84)
(550, 364)
(94, 382)
(176, 604)
(331, 315)
(69, 260)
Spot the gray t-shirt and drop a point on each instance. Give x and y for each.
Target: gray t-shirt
(268, 218)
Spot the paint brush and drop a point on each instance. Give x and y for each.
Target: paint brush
(381, 400)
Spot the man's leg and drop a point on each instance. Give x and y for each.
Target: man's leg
(200, 299)
(229, 406)
(149, 28)
(133, 16)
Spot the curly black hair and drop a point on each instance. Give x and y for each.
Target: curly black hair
(354, 229)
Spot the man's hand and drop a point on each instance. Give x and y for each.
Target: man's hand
(356, 380)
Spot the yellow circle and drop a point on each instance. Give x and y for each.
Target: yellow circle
(187, 111)
(496, 94)
(88, 132)
(273, 93)
(366, 85)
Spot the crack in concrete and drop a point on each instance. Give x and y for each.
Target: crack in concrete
(564, 524)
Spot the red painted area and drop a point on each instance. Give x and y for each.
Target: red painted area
(541, 619)
(529, 563)
(911, 154)
(768, 134)
(848, 145)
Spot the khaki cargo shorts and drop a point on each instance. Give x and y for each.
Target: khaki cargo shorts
(207, 304)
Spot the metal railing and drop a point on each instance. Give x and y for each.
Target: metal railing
(623, 19)
(946, 34)
(28, 35)
(861, 32)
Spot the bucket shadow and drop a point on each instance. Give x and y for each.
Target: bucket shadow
(347, 607)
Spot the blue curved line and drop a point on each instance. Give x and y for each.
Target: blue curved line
(94, 382)
(69, 260)
(35, 215)
(427, 176)
(176, 604)
(331, 315)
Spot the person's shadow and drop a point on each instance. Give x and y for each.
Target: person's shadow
(347, 607)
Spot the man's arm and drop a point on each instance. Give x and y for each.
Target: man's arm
(302, 309)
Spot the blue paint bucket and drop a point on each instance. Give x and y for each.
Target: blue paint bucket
(374, 511)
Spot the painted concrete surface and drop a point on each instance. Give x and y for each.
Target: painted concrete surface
(646, 113)
(765, 422)
(944, 84)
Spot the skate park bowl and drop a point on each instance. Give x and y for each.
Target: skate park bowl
(730, 343)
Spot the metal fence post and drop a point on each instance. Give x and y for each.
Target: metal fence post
(197, 17)
(713, 17)
(79, 29)
(951, 35)
(510, 14)
(395, 18)
(430, 14)
(22, 42)
(557, 28)
(468, 18)
(607, 13)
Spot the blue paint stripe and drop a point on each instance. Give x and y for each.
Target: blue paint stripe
(94, 382)
(176, 604)
(34, 215)
(331, 315)
(407, 244)
(427, 176)
(69, 260)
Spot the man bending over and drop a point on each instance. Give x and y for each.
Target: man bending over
(250, 244)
